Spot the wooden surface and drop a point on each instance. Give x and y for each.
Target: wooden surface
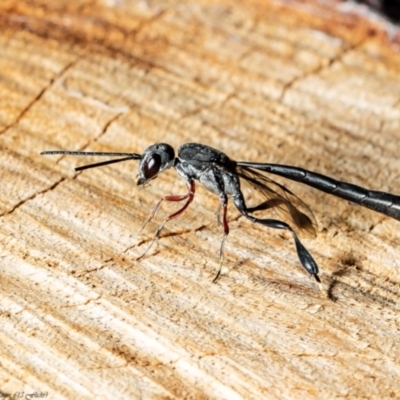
(306, 84)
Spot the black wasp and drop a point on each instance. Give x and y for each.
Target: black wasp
(221, 175)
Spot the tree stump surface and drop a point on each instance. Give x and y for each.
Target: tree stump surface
(305, 84)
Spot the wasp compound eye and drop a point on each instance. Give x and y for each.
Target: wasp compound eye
(151, 166)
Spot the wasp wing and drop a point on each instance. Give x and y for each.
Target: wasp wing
(284, 202)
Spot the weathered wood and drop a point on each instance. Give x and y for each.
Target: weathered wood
(80, 317)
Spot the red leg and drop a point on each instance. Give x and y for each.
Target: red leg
(189, 196)
(167, 198)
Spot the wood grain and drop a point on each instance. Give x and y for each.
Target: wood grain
(301, 83)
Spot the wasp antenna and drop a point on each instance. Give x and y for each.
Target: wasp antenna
(100, 164)
(133, 156)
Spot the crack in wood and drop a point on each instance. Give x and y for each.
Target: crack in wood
(40, 95)
(22, 202)
(166, 235)
(323, 66)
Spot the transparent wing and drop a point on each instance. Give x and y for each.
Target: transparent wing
(285, 203)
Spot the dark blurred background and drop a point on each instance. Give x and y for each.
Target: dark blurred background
(389, 8)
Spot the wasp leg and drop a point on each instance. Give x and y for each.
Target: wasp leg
(305, 257)
(225, 226)
(189, 196)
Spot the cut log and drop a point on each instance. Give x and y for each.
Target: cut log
(302, 83)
